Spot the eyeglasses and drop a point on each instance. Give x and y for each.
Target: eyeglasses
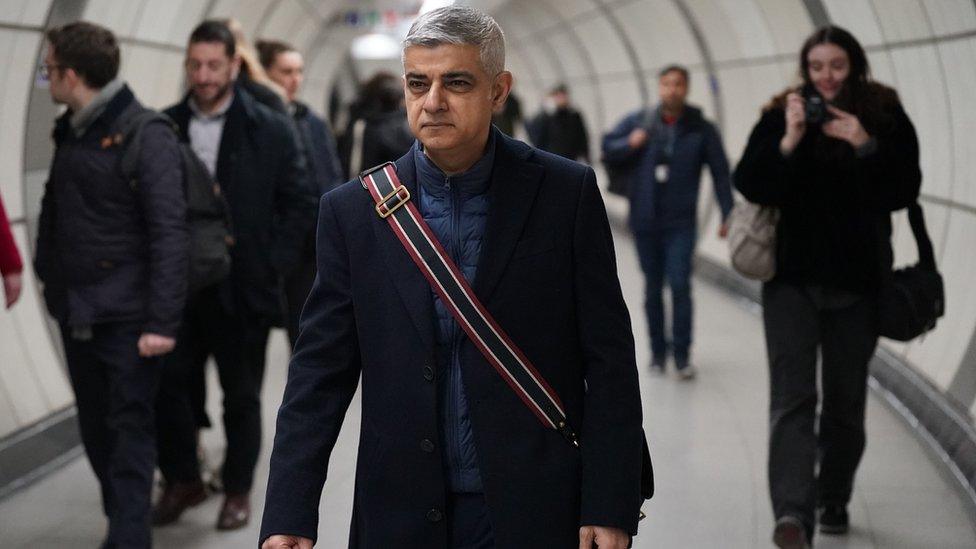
(45, 69)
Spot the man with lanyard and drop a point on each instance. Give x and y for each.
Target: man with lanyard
(671, 146)
(457, 448)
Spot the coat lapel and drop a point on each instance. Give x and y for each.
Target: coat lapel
(413, 288)
(514, 186)
(231, 140)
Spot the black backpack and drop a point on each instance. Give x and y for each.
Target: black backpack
(208, 214)
(912, 299)
(622, 172)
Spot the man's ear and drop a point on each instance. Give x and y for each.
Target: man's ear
(501, 88)
(235, 66)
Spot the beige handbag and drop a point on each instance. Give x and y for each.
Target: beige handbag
(752, 240)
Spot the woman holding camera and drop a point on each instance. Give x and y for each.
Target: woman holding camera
(835, 156)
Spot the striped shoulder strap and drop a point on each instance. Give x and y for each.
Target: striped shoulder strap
(394, 204)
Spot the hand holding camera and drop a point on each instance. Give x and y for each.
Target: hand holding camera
(796, 123)
(811, 108)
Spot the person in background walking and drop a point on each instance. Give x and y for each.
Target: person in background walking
(670, 145)
(559, 127)
(286, 67)
(835, 173)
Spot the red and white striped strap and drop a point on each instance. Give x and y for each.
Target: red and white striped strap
(393, 203)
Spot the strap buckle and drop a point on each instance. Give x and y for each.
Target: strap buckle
(365, 173)
(385, 209)
(567, 432)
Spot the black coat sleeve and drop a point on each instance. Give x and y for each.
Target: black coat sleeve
(322, 379)
(163, 204)
(764, 175)
(46, 242)
(891, 173)
(610, 436)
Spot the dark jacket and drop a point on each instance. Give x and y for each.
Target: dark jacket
(384, 135)
(547, 273)
(673, 204)
(456, 209)
(107, 252)
(322, 160)
(262, 174)
(834, 224)
(262, 93)
(562, 132)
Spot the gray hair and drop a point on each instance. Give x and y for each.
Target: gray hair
(463, 26)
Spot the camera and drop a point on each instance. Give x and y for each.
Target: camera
(815, 106)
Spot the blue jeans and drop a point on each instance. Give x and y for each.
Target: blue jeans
(667, 254)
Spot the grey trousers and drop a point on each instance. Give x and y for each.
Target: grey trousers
(813, 463)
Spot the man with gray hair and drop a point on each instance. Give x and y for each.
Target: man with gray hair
(472, 286)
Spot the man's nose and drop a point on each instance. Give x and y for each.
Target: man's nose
(434, 101)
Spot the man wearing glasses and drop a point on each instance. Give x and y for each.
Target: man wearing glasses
(113, 259)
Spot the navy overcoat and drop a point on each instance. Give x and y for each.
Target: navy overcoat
(547, 272)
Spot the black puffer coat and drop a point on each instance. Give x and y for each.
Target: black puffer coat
(107, 252)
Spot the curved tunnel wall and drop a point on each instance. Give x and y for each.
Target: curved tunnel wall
(608, 51)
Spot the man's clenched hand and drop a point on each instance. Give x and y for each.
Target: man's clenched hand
(602, 537)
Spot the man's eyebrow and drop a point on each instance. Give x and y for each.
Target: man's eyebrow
(416, 76)
(457, 74)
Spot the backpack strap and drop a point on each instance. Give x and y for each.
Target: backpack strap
(132, 141)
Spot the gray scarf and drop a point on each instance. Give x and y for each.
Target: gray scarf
(81, 120)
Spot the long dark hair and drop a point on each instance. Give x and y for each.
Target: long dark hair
(860, 73)
(861, 95)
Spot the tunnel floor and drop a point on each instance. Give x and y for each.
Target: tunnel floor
(707, 438)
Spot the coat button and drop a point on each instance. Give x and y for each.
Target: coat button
(426, 445)
(434, 515)
(428, 373)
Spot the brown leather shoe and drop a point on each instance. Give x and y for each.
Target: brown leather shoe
(235, 513)
(176, 498)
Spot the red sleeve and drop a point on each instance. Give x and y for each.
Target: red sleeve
(9, 256)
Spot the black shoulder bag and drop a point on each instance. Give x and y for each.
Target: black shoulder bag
(912, 299)
(621, 173)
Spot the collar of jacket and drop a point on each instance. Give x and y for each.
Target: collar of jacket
(690, 118)
(119, 103)
(473, 181)
(243, 105)
(301, 110)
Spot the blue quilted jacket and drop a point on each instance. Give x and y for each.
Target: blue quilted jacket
(456, 209)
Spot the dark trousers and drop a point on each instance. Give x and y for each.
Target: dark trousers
(468, 523)
(799, 321)
(238, 344)
(297, 286)
(114, 391)
(666, 255)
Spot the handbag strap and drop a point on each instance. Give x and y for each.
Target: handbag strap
(926, 254)
(393, 203)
